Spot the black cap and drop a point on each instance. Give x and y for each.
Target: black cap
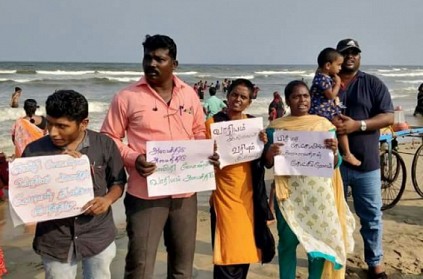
(345, 44)
(30, 103)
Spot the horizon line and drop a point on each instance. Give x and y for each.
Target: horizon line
(211, 64)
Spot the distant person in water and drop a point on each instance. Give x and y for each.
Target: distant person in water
(276, 107)
(256, 91)
(14, 101)
(213, 104)
(419, 107)
(28, 128)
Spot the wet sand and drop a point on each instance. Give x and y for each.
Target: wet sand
(402, 240)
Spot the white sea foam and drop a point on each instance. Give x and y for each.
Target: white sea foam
(310, 75)
(269, 73)
(120, 73)
(7, 113)
(203, 75)
(399, 96)
(417, 81)
(7, 72)
(94, 106)
(190, 73)
(124, 79)
(389, 70)
(65, 73)
(242, 76)
(409, 74)
(25, 80)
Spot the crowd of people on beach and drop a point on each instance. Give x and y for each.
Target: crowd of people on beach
(308, 210)
(201, 87)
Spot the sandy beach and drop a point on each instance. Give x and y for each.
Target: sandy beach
(402, 240)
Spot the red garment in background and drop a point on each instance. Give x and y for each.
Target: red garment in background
(4, 174)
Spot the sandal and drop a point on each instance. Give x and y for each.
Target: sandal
(381, 275)
(372, 275)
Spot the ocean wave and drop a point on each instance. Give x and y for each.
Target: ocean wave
(269, 73)
(203, 75)
(389, 70)
(241, 76)
(121, 73)
(399, 96)
(94, 106)
(123, 79)
(64, 73)
(26, 72)
(310, 75)
(418, 81)
(19, 80)
(411, 74)
(7, 72)
(8, 113)
(73, 79)
(190, 73)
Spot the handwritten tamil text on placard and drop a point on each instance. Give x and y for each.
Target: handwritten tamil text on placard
(238, 140)
(182, 167)
(49, 187)
(303, 153)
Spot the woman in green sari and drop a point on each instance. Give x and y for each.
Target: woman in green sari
(310, 210)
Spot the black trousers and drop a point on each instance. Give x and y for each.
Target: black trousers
(233, 271)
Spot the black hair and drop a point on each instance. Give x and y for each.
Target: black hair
(160, 41)
(421, 87)
(18, 89)
(69, 104)
(244, 82)
(328, 55)
(292, 85)
(212, 91)
(30, 110)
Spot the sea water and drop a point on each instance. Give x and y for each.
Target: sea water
(100, 81)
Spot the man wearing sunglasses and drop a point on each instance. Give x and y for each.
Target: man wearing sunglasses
(368, 108)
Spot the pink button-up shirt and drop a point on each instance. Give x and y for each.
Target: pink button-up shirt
(139, 113)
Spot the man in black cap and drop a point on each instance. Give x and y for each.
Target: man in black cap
(368, 108)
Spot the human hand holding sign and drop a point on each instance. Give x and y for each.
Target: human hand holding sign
(143, 167)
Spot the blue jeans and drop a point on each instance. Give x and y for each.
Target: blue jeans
(97, 266)
(366, 193)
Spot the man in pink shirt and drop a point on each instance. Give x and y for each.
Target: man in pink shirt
(158, 107)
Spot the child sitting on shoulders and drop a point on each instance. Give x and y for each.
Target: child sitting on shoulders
(324, 94)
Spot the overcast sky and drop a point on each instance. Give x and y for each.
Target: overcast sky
(390, 32)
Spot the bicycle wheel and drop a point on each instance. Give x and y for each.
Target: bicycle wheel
(417, 171)
(394, 178)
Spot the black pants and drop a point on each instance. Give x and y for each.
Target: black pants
(233, 271)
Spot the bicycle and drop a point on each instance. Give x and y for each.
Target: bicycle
(393, 174)
(394, 171)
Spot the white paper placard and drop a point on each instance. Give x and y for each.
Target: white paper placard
(303, 153)
(238, 140)
(182, 167)
(49, 187)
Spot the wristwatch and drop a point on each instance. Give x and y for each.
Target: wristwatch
(363, 125)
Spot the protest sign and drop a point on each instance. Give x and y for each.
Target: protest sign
(49, 187)
(303, 153)
(238, 140)
(182, 167)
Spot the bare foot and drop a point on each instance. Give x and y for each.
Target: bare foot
(350, 158)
